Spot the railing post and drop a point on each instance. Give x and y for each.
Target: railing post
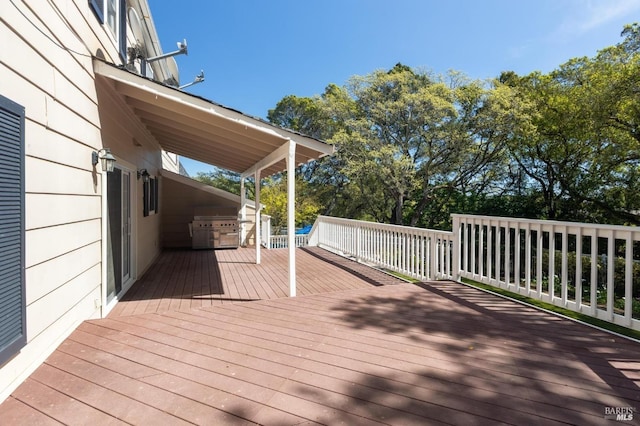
(611, 245)
(268, 233)
(265, 231)
(628, 280)
(456, 248)
(578, 275)
(358, 238)
(434, 251)
(314, 234)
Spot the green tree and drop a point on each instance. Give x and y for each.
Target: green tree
(416, 140)
(405, 140)
(470, 158)
(551, 150)
(400, 115)
(274, 197)
(583, 156)
(413, 147)
(610, 97)
(320, 117)
(222, 179)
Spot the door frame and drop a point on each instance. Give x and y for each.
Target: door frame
(125, 167)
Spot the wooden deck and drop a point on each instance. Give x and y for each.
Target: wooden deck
(186, 279)
(181, 349)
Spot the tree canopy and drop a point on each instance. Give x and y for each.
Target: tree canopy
(413, 147)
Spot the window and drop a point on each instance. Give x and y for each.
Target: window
(151, 197)
(113, 13)
(12, 290)
(112, 17)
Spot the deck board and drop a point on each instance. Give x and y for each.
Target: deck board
(187, 279)
(190, 344)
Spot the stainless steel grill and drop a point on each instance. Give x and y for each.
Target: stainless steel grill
(214, 232)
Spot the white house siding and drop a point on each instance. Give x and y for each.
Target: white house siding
(66, 120)
(131, 143)
(171, 162)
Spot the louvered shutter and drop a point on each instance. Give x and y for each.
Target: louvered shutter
(122, 37)
(12, 290)
(156, 194)
(145, 198)
(98, 9)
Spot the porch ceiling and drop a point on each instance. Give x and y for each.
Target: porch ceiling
(200, 129)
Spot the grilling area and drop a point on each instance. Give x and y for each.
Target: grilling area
(214, 228)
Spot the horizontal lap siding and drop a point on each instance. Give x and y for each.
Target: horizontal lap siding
(61, 209)
(63, 189)
(84, 287)
(46, 177)
(46, 277)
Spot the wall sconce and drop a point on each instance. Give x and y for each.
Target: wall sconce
(144, 174)
(108, 161)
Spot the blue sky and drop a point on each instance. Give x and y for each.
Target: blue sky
(255, 52)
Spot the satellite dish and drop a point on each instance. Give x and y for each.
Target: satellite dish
(163, 64)
(143, 42)
(173, 76)
(157, 68)
(148, 43)
(136, 27)
(138, 49)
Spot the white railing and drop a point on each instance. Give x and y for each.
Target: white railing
(278, 241)
(589, 268)
(418, 253)
(281, 241)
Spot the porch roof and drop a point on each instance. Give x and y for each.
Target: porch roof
(203, 130)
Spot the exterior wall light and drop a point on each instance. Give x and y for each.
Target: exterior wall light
(144, 174)
(108, 161)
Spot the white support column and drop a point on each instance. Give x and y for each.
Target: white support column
(291, 216)
(243, 213)
(258, 219)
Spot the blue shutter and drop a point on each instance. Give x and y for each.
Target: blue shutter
(145, 198)
(98, 9)
(122, 37)
(153, 195)
(12, 290)
(156, 195)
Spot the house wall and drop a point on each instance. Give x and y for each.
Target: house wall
(68, 116)
(181, 201)
(135, 149)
